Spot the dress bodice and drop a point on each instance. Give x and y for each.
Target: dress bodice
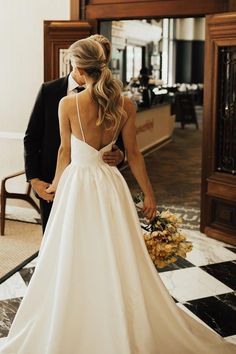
(83, 154)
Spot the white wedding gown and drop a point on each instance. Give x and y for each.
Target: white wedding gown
(95, 289)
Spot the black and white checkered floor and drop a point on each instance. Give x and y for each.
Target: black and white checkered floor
(204, 285)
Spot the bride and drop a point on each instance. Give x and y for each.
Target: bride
(95, 289)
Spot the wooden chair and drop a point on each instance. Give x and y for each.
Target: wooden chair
(184, 109)
(8, 195)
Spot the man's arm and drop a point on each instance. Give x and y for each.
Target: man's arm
(115, 157)
(64, 152)
(33, 139)
(121, 147)
(32, 147)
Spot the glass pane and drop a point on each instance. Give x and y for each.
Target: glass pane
(64, 63)
(226, 112)
(129, 62)
(137, 60)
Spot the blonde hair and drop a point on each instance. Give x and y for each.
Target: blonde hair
(89, 54)
(105, 43)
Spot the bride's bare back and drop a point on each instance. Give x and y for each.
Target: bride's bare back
(81, 106)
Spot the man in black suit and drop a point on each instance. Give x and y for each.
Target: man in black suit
(42, 140)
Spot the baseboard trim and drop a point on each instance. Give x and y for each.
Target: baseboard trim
(19, 267)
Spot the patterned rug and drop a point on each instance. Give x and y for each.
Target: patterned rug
(190, 216)
(18, 246)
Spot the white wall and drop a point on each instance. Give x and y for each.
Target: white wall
(21, 69)
(141, 32)
(190, 28)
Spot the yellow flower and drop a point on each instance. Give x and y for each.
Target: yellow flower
(165, 214)
(168, 247)
(165, 242)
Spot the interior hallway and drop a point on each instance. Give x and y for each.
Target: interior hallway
(175, 169)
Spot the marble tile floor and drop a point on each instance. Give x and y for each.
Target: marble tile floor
(203, 285)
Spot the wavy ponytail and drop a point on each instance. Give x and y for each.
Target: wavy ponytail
(105, 43)
(89, 55)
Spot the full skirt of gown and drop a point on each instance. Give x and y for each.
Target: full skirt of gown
(95, 289)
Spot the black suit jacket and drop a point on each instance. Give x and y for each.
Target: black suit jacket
(42, 137)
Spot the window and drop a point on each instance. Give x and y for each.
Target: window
(133, 61)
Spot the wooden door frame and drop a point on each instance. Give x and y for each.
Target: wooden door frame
(218, 188)
(99, 10)
(75, 12)
(136, 9)
(140, 9)
(60, 35)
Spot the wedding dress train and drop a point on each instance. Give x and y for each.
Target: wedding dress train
(95, 289)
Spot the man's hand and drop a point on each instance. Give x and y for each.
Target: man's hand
(40, 188)
(113, 157)
(51, 189)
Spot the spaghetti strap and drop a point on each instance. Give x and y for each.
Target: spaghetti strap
(77, 105)
(118, 125)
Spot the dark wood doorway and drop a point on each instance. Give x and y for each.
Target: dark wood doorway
(218, 209)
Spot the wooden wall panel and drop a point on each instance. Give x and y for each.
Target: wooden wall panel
(220, 219)
(218, 206)
(75, 10)
(60, 35)
(105, 2)
(125, 9)
(232, 5)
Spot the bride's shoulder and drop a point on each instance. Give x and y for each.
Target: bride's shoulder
(67, 101)
(129, 106)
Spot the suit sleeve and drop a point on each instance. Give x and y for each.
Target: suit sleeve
(33, 138)
(120, 145)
